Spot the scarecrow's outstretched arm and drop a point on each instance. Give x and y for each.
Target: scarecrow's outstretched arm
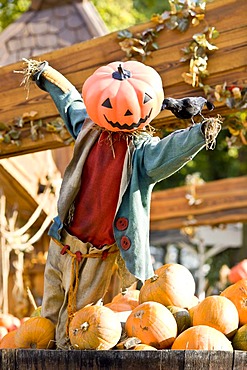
(52, 75)
(66, 97)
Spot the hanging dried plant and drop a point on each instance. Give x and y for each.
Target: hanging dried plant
(12, 133)
(180, 17)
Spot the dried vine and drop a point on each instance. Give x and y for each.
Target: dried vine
(181, 16)
(11, 133)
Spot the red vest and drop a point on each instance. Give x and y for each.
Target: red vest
(96, 202)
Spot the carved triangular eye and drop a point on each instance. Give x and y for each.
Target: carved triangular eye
(128, 113)
(146, 98)
(107, 103)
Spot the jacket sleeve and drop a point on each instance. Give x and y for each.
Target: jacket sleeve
(67, 100)
(162, 158)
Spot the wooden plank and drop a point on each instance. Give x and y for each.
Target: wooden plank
(123, 359)
(221, 201)
(221, 360)
(77, 62)
(213, 219)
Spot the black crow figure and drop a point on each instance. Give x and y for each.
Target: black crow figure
(187, 108)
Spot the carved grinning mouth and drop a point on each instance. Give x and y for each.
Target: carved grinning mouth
(129, 127)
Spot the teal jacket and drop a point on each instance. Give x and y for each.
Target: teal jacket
(149, 160)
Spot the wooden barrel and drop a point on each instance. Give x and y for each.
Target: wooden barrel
(21, 359)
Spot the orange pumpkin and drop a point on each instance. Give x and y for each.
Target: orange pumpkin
(123, 96)
(202, 337)
(217, 312)
(172, 285)
(153, 324)
(119, 307)
(37, 332)
(128, 296)
(8, 341)
(95, 327)
(239, 341)
(237, 293)
(144, 347)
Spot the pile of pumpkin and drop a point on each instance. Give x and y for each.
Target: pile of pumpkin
(163, 314)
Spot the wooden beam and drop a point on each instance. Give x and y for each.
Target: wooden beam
(79, 61)
(216, 202)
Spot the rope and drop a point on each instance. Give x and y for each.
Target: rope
(72, 291)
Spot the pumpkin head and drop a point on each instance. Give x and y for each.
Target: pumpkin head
(123, 96)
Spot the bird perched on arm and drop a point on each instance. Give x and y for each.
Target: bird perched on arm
(187, 108)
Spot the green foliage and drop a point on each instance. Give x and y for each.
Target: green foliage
(10, 10)
(222, 162)
(119, 15)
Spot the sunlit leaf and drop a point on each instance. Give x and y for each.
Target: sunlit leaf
(183, 24)
(188, 78)
(172, 7)
(124, 34)
(173, 23)
(230, 102)
(195, 22)
(155, 46)
(3, 126)
(14, 134)
(236, 93)
(233, 131)
(138, 50)
(7, 138)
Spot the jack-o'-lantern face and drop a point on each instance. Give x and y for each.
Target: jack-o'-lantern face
(123, 96)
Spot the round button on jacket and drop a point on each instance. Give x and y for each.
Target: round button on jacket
(122, 223)
(125, 242)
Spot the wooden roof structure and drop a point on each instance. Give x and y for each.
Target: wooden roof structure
(213, 203)
(49, 25)
(79, 61)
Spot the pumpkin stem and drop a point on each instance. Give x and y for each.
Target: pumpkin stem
(121, 73)
(154, 278)
(84, 326)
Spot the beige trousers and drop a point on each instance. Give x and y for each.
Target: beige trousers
(94, 278)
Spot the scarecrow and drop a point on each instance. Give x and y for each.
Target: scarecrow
(104, 201)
